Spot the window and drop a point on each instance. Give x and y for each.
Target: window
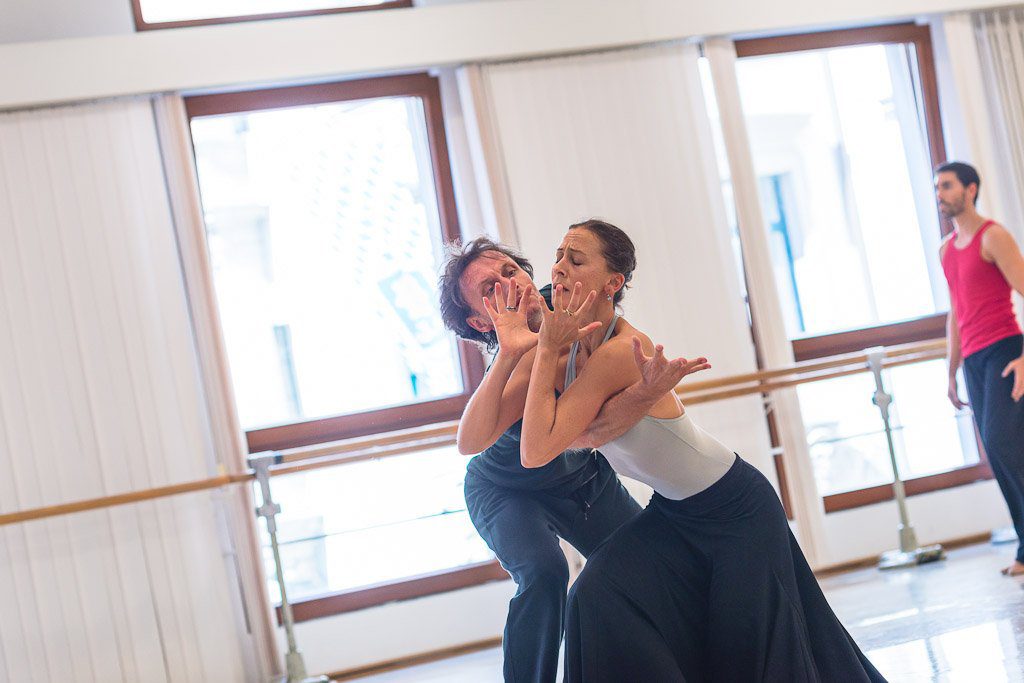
(327, 208)
(372, 523)
(847, 441)
(840, 141)
(844, 132)
(155, 14)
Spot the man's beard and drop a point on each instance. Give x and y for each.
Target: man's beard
(952, 210)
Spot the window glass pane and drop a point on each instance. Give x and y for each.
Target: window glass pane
(325, 244)
(839, 146)
(371, 522)
(847, 441)
(159, 11)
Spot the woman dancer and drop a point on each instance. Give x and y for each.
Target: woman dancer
(710, 573)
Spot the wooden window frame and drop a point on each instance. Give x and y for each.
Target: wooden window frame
(142, 25)
(407, 588)
(311, 432)
(919, 329)
(960, 476)
(426, 88)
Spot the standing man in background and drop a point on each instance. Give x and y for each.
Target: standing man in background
(983, 266)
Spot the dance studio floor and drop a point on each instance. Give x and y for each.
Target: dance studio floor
(953, 621)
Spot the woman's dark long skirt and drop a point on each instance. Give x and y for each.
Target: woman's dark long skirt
(710, 588)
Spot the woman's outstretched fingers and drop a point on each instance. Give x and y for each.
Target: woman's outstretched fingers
(567, 296)
(587, 303)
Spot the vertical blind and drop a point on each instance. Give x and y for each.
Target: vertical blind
(624, 136)
(100, 394)
(1000, 42)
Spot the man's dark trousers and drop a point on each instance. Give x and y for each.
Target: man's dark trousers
(1000, 422)
(522, 528)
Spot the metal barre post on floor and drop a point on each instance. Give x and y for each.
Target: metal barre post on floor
(294, 663)
(909, 553)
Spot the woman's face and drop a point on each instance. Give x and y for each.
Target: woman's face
(579, 258)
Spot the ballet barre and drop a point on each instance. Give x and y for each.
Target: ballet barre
(805, 372)
(443, 434)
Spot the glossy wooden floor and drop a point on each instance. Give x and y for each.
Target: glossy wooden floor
(953, 621)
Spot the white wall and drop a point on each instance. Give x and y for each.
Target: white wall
(623, 135)
(945, 515)
(34, 20)
(334, 46)
(348, 641)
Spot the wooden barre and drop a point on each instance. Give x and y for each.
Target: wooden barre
(705, 397)
(443, 434)
(123, 498)
(360, 447)
(812, 365)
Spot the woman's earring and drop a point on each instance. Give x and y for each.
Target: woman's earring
(609, 297)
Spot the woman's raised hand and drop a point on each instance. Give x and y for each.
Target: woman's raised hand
(508, 316)
(561, 326)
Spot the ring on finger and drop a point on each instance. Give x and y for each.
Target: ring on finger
(568, 312)
(510, 308)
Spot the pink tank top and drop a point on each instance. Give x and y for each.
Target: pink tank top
(980, 294)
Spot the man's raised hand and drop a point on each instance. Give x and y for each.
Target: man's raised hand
(508, 316)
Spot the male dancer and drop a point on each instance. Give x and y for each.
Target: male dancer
(522, 512)
(983, 265)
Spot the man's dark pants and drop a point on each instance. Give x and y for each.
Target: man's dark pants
(522, 528)
(1000, 422)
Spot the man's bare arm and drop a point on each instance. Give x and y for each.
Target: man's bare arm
(658, 376)
(999, 245)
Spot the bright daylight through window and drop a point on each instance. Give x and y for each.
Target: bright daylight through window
(325, 239)
(840, 147)
(322, 221)
(165, 11)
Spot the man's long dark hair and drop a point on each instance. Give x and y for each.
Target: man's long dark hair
(454, 309)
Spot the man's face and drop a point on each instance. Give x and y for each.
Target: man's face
(478, 281)
(952, 196)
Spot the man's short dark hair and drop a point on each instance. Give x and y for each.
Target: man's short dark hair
(454, 309)
(965, 173)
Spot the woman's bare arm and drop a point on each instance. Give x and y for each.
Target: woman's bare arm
(550, 424)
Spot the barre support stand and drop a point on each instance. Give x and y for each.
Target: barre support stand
(909, 553)
(294, 664)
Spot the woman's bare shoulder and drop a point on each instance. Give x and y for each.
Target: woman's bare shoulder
(624, 336)
(620, 346)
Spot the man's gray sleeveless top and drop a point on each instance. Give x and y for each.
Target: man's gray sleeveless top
(673, 456)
